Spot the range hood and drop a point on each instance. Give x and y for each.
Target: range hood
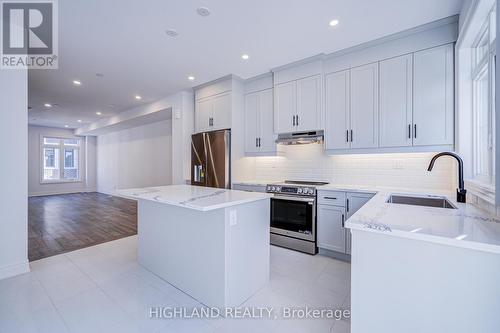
(300, 138)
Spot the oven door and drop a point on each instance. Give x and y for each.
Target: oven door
(293, 216)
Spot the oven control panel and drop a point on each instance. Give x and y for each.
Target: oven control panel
(294, 190)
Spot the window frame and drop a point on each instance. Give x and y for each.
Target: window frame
(478, 67)
(61, 146)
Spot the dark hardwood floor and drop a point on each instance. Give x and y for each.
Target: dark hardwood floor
(67, 222)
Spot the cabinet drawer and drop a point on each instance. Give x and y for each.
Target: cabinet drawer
(334, 198)
(249, 188)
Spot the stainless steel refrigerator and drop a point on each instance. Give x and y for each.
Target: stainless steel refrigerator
(211, 159)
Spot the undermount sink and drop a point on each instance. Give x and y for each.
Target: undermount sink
(424, 200)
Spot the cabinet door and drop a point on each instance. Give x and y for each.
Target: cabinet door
(285, 107)
(364, 106)
(222, 111)
(309, 103)
(396, 102)
(331, 233)
(265, 122)
(337, 110)
(203, 113)
(252, 104)
(354, 202)
(433, 96)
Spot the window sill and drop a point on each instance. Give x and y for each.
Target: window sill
(45, 182)
(482, 190)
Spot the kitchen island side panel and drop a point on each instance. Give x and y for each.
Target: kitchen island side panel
(185, 247)
(247, 250)
(407, 285)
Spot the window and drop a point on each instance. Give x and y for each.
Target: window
(483, 96)
(61, 160)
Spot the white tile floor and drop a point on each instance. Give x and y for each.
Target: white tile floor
(103, 289)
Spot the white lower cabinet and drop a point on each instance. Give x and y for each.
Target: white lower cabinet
(331, 232)
(334, 209)
(354, 201)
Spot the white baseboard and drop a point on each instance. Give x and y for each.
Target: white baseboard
(14, 269)
(39, 194)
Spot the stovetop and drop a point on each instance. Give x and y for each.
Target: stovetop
(305, 182)
(295, 187)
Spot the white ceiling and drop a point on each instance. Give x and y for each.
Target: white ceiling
(126, 41)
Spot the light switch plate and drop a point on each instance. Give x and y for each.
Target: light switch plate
(177, 114)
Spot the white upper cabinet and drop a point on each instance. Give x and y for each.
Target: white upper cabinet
(259, 134)
(364, 107)
(251, 120)
(285, 107)
(308, 103)
(396, 102)
(433, 105)
(203, 115)
(352, 108)
(222, 111)
(297, 105)
(337, 110)
(213, 112)
(266, 129)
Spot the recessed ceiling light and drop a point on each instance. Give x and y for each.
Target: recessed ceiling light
(99, 74)
(191, 78)
(203, 11)
(79, 120)
(98, 113)
(66, 126)
(47, 105)
(334, 23)
(137, 97)
(245, 56)
(77, 82)
(171, 32)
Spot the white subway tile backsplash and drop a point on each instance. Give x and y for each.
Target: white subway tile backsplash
(309, 162)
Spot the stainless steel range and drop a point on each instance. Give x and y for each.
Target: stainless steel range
(293, 215)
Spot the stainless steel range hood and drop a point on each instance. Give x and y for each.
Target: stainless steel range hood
(300, 138)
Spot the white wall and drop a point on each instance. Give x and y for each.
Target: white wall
(87, 153)
(309, 162)
(136, 157)
(13, 172)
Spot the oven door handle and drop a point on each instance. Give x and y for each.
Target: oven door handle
(291, 198)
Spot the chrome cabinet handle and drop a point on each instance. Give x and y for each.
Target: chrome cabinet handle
(409, 131)
(346, 135)
(347, 204)
(256, 141)
(293, 120)
(343, 221)
(415, 131)
(297, 119)
(259, 142)
(351, 135)
(331, 198)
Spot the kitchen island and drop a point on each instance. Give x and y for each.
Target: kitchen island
(424, 269)
(211, 243)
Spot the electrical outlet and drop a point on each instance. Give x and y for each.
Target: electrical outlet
(233, 218)
(398, 164)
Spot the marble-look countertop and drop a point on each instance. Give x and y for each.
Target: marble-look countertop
(194, 197)
(467, 226)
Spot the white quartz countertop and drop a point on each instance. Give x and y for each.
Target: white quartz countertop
(467, 226)
(194, 197)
